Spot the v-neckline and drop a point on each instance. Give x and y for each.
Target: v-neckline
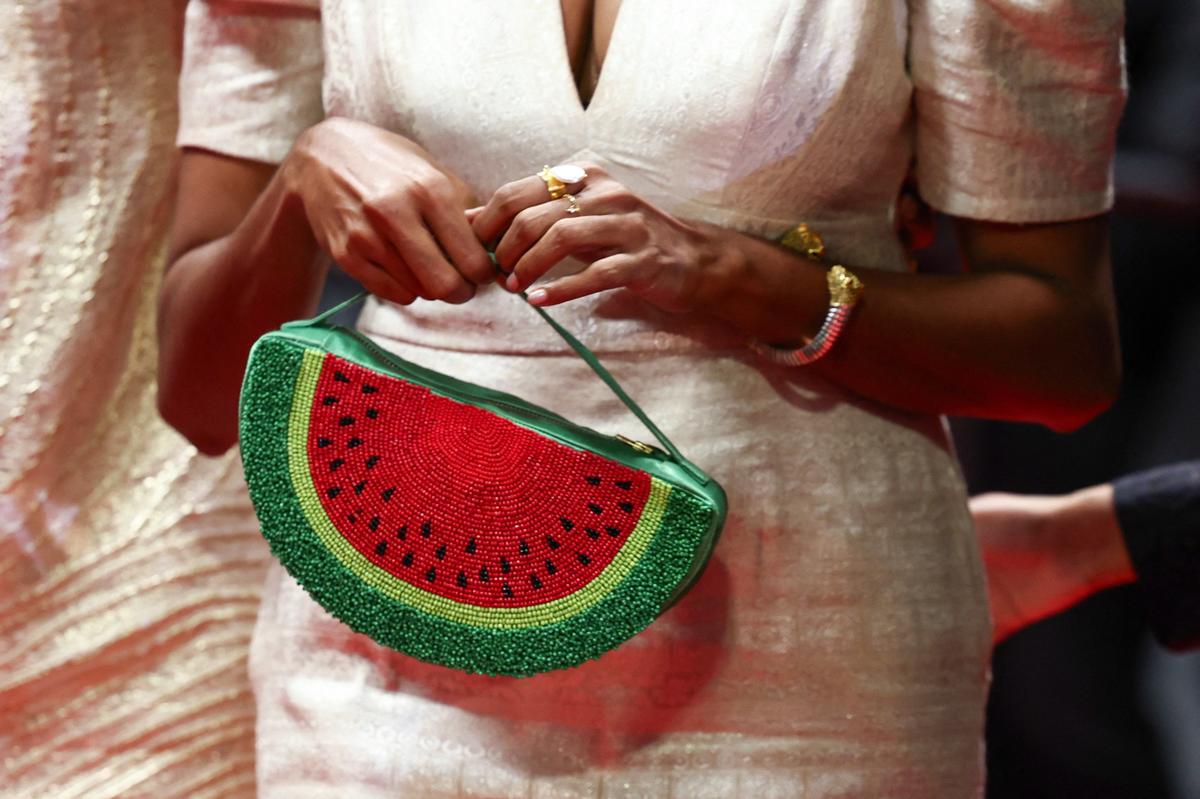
(565, 57)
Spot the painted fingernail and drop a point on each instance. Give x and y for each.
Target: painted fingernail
(512, 283)
(536, 297)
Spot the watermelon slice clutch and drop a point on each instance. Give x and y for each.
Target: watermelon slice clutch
(460, 525)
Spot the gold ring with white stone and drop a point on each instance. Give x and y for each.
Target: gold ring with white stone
(572, 203)
(558, 178)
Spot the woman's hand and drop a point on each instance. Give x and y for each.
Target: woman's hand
(386, 212)
(247, 246)
(625, 241)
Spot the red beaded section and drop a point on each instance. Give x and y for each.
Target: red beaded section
(459, 501)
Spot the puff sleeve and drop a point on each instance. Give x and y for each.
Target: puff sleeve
(1017, 104)
(251, 76)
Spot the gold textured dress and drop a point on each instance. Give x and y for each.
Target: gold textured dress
(130, 567)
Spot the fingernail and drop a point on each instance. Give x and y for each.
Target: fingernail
(512, 284)
(536, 297)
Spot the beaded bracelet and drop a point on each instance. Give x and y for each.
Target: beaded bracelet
(844, 291)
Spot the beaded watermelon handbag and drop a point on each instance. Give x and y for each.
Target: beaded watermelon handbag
(457, 524)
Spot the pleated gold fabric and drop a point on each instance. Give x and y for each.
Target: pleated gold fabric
(130, 566)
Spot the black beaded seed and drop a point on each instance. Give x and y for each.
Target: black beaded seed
(341, 378)
(592, 534)
(372, 413)
(626, 506)
(330, 400)
(323, 442)
(441, 552)
(381, 548)
(523, 546)
(387, 493)
(358, 487)
(353, 519)
(551, 542)
(354, 442)
(566, 523)
(335, 463)
(504, 567)
(550, 567)
(583, 558)
(534, 581)
(483, 574)
(426, 528)
(374, 523)
(402, 533)
(431, 575)
(346, 420)
(368, 389)
(594, 508)
(507, 590)
(371, 461)
(594, 480)
(624, 484)
(614, 532)
(332, 491)
(407, 559)
(462, 580)
(470, 550)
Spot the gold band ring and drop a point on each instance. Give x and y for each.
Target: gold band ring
(572, 203)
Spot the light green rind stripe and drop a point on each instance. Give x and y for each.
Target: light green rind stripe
(395, 588)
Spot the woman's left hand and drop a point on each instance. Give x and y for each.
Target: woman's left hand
(625, 241)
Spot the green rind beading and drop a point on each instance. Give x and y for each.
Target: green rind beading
(267, 400)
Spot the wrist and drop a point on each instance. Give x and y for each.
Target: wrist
(724, 271)
(1088, 523)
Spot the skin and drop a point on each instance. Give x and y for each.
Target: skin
(1028, 333)
(1044, 554)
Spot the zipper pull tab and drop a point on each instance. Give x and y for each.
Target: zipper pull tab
(645, 449)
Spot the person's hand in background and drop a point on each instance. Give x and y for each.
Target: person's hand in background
(1045, 553)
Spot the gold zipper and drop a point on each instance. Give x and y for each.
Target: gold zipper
(645, 449)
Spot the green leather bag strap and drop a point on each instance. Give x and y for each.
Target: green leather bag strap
(589, 358)
(592, 361)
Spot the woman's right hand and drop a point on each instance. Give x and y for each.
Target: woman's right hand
(386, 212)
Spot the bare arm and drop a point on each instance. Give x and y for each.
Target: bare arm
(1027, 334)
(242, 261)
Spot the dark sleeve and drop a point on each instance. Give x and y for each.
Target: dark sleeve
(1159, 514)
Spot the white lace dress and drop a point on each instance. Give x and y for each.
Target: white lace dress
(838, 645)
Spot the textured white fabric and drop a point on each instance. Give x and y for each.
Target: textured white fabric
(1017, 103)
(838, 646)
(130, 565)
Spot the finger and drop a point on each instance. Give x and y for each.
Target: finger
(458, 242)
(508, 201)
(379, 253)
(471, 213)
(607, 273)
(526, 229)
(375, 280)
(584, 237)
(438, 278)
